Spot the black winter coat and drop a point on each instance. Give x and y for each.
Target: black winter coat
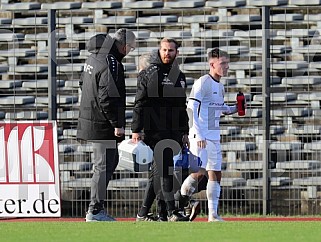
(160, 103)
(103, 100)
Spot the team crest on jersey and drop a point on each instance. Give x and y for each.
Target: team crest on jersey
(166, 80)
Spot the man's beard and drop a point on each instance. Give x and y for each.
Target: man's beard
(170, 60)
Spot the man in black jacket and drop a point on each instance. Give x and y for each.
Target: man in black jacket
(102, 111)
(160, 118)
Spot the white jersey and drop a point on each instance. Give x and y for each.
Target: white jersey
(206, 102)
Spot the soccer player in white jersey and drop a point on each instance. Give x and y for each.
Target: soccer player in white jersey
(205, 106)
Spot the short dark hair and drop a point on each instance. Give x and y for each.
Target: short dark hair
(171, 40)
(217, 53)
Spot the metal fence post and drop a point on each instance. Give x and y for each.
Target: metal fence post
(52, 66)
(266, 107)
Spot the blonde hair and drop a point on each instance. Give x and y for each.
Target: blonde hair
(171, 40)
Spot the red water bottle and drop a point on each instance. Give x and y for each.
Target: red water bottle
(240, 104)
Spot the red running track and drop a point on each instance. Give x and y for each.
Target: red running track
(233, 219)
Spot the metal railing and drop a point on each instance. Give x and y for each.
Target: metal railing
(271, 156)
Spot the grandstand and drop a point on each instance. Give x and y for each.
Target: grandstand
(236, 27)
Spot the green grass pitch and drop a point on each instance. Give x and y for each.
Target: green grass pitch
(156, 231)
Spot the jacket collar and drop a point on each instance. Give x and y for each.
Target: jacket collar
(115, 52)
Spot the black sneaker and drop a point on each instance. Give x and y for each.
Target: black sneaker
(177, 217)
(149, 217)
(161, 219)
(192, 210)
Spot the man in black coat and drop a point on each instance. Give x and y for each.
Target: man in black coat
(160, 118)
(102, 111)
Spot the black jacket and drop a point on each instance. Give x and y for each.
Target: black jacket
(160, 104)
(103, 100)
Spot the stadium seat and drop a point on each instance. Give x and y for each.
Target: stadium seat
(257, 81)
(184, 4)
(238, 146)
(289, 17)
(75, 20)
(309, 181)
(214, 33)
(4, 68)
(292, 145)
(21, 6)
(4, 21)
(112, 20)
(9, 36)
(61, 99)
(17, 52)
(27, 115)
(315, 146)
(30, 21)
(231, 130)
(101, 5)
(16, 100)
(79, 183)
(72, 114)
(304, 2)
(127, 182)
(274, 181)
(285, 65)
(298, 33)
(70, 133)
(245, 65)
(292, 112)
(43, 36)
(40, 84)
(177, 34)
(195, 66)
(68, 68)
(157, 19)
(254, 33)
(302, 80)
(9, 84)
(197, 19)
(254, 130)
(306, 129)
(277, 97)
(143, 4)
(228, 81)
(261, 3)
(142, 50)
(29, 68)
(61, 5)
(245, 165)
(311, 17)
(299, 165)
(61, 52)
(223, 3)
(232, 182)
(240, 19)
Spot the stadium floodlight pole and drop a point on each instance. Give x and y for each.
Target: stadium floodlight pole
(266, 107)
(52, 66)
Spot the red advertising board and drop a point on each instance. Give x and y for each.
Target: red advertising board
(29, 169)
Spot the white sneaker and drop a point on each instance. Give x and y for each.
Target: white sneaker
(215, 218)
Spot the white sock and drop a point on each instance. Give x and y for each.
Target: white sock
(213, 191)
(188, 186)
